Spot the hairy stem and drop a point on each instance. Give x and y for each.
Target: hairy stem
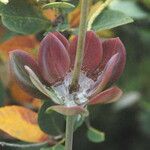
(69, 132)
(80, 46)
(77, 68)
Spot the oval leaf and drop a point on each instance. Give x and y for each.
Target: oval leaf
(95, 136)
(52, 123)
(130, 8)
(22, 16)
(21, 123)
(109, 19)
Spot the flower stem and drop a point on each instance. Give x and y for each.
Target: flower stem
(69, 132)
(80, 46)
(77, 68)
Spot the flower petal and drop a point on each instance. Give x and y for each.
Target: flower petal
(106, 75)
(111, 47)
(18, 59)
(110, 95)
(93, 51)
(53, 59)
(62, 39)
(68, 111)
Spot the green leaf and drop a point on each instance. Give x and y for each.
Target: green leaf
(63, 5)
(95, 136)
(109, 19)
(52, 123)
(130, 8)
(23, 16)
(96, 10)
(56, 147)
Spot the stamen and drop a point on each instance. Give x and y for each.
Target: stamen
(76, 98)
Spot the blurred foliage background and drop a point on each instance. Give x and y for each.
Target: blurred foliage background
(125, 123)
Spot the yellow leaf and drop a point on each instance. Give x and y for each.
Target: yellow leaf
(74, 17)
(22, 97)
(18, 94)
(36, 103)
(21, 123)
(26, 43)
(50, 14)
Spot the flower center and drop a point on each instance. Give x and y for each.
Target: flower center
(76, 98)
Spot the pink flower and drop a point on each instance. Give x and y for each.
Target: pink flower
(50, 76)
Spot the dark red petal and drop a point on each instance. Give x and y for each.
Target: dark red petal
(110, 95)
(18, 60)
(92, 51)
(62, 39)
(68, 111)
(106, 74)
(111, 47)
(53, 59)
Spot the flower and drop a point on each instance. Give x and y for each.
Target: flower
(50, 76)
